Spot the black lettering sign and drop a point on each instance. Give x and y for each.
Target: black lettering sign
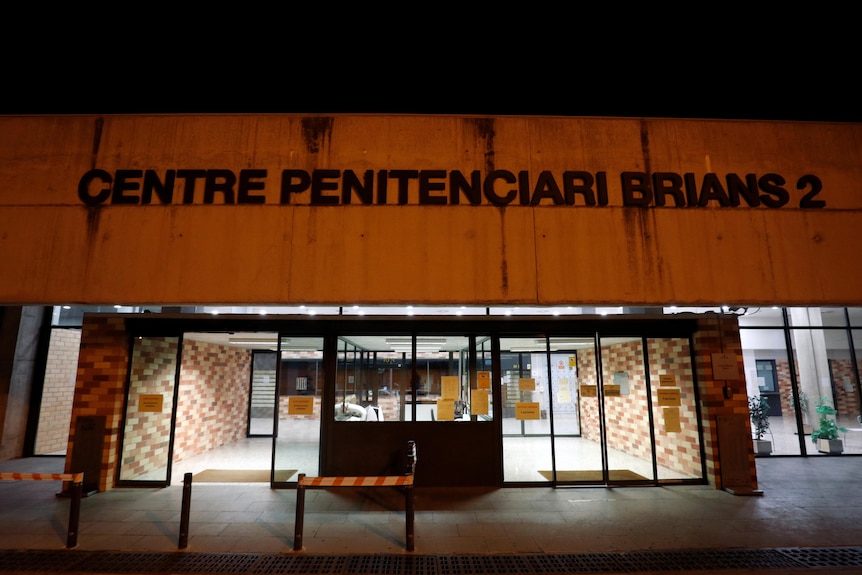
(439, 187)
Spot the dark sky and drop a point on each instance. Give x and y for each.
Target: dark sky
(741, 71)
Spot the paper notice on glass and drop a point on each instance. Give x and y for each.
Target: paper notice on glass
(671, 420)
(667, 379)
(564, 392)
(479, 401)
(527, 410)
(483, 379)
(526, 384)
(300, 405)
(669, 396)
(449, 387)
(445, 409)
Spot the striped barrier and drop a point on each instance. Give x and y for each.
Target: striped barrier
(14, 476)
(75, 492)
(402, 481)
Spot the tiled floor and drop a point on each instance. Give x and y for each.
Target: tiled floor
(807, 502)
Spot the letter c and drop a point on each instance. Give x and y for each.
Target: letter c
(84, 187)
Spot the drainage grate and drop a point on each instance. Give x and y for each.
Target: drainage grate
(778, 560)
(825, 556)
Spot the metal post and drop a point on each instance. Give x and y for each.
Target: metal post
(408, 509)
(186, 511)
(300, 512)
(77, 489)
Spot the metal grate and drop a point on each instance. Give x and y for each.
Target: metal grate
(778, 560)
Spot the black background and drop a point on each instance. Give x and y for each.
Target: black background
(801, 66)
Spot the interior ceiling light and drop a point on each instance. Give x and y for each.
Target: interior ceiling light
(253, 341)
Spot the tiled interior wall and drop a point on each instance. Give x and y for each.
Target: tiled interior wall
(628, 426)
(146, 438)
(58, 392)
(212, 409)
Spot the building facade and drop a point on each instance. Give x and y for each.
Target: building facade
(510, 235)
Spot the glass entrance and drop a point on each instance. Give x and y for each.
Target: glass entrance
(599, 410)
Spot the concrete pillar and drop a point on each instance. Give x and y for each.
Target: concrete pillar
(19, 343)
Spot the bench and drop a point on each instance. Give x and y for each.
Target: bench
(404, 482)
(75, 492)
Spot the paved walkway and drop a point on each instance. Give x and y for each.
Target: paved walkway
(808, 503)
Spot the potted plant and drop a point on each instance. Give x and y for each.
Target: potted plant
(826, 436)
(758, 409)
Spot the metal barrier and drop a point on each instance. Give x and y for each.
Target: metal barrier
(75, 492)
(398, 481)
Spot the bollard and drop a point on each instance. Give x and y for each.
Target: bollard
(408, 511)
(186, 511)
(300, 513)
(76, 490)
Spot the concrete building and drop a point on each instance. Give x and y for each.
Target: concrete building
(534, 300)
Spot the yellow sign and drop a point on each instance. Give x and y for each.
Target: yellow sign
(479, 401)
(150, 402)
(669, 396)
(671, 420)
(589, 391)
(527, 410)
(527, 384)
(446, 409)
(449, 386)
(573, 361)
(667, 379)
(483, 379)
(300, 405)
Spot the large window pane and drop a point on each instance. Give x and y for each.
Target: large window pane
(827, 377)
(767, 374)
(677, 437)
(526, 423)
(300, 390)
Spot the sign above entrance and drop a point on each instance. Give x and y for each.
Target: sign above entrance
(332, 187)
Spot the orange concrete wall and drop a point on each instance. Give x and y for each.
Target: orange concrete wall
(55, 249)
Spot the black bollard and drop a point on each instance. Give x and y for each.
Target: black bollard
(76, 489)
(300, 512)
(186, 511)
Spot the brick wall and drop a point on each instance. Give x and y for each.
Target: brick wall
(146, 441)
(720, 334)
(628, 422)
(212, 409)
(58, 392)
(99, 389)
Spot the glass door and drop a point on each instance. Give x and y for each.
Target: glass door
(527, 445)
(578, 454)
(296, 445)
(625, 392)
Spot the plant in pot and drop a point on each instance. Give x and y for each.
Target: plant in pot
(758, 409)
(826, 435)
